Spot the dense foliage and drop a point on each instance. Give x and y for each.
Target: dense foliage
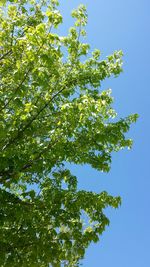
(52, 112)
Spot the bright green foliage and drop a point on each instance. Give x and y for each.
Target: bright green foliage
(52, 112)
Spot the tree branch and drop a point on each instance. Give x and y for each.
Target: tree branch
(20, 133)
(6, 54)
(18, 87)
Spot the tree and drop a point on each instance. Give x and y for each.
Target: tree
(52, 112)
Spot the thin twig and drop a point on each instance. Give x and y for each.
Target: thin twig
(6, 54)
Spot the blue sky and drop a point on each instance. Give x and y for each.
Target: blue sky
(122, 25)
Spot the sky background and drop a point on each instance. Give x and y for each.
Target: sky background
(125, 25)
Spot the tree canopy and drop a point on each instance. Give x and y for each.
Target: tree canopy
(52, 112)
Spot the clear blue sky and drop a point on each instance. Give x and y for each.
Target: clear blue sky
(122, 25)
